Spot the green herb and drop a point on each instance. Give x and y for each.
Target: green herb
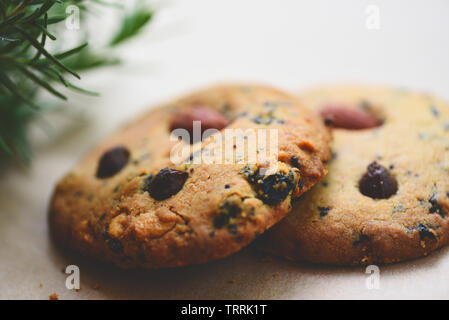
(27, 65)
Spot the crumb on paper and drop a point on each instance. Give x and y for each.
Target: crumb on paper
(53, 296)
(96, 286)
(40, 285)
(232, 281)
(276, 274)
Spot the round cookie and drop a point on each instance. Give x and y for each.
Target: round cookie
(386, 197)
(131, 203)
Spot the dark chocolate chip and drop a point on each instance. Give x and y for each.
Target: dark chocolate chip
(377, 182)
(424, 232)
(294, 161)
(260, 119)
(362, 239)
(300, 184)
(212, 234)
(115, 245)
(270, 189)
(275, 188)
(323, 211)
(435, 207)
(227, 186)
(226, 212)
(112, 161)
(166, 183)
(435, 111)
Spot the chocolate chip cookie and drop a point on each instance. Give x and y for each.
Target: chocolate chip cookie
(386, 197)
(163, 193)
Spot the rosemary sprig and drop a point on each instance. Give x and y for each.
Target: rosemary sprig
(27, 65)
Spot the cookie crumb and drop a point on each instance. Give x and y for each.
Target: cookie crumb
(53, 296)
(232, 281)
(96, 286)
(40, 285)
(276, 274)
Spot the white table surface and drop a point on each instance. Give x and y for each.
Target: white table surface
(290, 44)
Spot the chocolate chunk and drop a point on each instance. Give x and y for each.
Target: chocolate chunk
(361, 240)
(294, 161)
(226, 213)
(300, 184)
(323, 211)
(276, 188)
(262, 119)
(115, 245)
(166, 183)
(435, 207)
(377, 182)
(435, 111)
(112, 161)
(424, 232)
(270, 189)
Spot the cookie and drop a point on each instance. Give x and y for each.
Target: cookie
(386, 197)
(144, 198)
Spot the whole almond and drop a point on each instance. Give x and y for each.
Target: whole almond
(338, 116)
(210, 119)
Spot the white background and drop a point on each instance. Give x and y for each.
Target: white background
(289, 44)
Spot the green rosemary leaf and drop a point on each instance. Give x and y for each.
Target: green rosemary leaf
(40, 11)
(70, 52)
(12, 87)
(131, 25)
(40, 82)
(45, 31)
(28, 66)
(81, 90)
(4, 146)
(11, 20)
(38, 46)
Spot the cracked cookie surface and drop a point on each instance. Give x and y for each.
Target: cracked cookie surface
(127, 202)
(386, 196)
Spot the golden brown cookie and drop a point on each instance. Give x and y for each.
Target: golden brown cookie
(386, 197)
(129, 202)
